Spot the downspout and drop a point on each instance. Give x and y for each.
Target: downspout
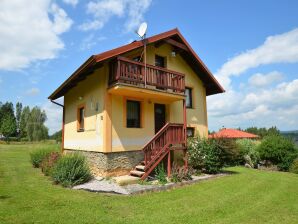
(63, 121)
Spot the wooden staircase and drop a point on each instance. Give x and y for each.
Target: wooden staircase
(169, 137)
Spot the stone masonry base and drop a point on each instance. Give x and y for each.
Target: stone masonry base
(111, 164)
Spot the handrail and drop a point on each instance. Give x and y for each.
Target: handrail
(126, 71)
(169, 134)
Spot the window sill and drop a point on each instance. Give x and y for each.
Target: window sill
(80, 130)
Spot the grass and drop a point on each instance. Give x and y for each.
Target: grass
(249, 196)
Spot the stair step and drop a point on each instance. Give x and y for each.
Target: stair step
(136, 173)
(140, 167)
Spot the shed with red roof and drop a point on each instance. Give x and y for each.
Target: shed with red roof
(232, 133)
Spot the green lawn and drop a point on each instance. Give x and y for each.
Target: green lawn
(249, 196)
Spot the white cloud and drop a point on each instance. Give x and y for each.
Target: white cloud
(28, 34)
(32, 92)
(263, 100)
(90, 41)
(282, 95)
(103, 10)
(258, 107)
(71, 2)
(282, 48)
(261, 80)
(54, 117)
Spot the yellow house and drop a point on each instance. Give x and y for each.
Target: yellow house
(132, 107)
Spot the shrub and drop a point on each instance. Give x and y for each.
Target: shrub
(230, 153)
(205, 155)
(248, 151)
(161, 174)
(48, 163)
(278, 150)
(178, 173)
(38, 156)
(294, 166)
(70, 170)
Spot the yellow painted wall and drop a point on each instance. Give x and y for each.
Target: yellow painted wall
(196, 116)
(92, 91)
(105, 129)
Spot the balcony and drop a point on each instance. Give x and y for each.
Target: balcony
(125, 72)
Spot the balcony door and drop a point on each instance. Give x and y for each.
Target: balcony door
(159, 116)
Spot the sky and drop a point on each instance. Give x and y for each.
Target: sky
(250, 46)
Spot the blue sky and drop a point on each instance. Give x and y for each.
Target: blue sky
(250, 46)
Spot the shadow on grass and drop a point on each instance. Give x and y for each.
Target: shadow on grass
(3, 197)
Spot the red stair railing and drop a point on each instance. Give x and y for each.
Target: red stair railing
(158, 147)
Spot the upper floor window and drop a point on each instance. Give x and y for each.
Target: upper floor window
(137, 59)
(160, 61)
(190, 132)
(188, 100)
(133, 114)
(81, 118)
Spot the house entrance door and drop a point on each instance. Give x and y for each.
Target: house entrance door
(159, 116)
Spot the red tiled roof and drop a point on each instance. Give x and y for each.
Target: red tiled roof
(232, 133)
(211, 84)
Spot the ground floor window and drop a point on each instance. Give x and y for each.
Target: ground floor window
(81, 118)
(190, 132)
(133, 114)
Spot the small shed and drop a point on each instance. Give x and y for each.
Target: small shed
(232, 133)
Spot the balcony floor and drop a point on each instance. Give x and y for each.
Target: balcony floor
(144, 93)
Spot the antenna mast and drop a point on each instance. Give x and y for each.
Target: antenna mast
(142, 33)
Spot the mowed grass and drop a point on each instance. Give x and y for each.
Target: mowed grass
(248, 196)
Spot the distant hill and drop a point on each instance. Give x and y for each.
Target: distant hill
(291, 134)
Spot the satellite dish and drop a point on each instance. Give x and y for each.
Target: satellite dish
(142, 30)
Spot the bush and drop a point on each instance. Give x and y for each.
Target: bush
(161, 174)
(48, 163)
(230, 153)
(70, 170)
(294, 166)
(178, 174)
(24, 139)
(278, 150)
(248, 151)
(38, 156)
(205, 155)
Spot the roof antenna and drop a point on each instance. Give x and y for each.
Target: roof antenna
(142, 34)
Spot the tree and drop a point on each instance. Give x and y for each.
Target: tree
(263, 132)
(8, 126)
(19, 107)
(8, 121)
(36, 130)
(23, 121)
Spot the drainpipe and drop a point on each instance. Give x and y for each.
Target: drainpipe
(63, 120)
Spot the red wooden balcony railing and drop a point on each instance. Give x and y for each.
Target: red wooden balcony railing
(158, 147)
(124, 70)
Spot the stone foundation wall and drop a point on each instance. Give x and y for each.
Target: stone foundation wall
(111, 164)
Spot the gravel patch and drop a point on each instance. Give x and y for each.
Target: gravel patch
(101, 186)
(109, 186)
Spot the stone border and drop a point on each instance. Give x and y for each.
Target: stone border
(169, 186)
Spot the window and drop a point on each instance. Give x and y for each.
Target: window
(160, 61)
(137, 59)
(190, 132)
(133, 114)
(81, 117)
(188, 100)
